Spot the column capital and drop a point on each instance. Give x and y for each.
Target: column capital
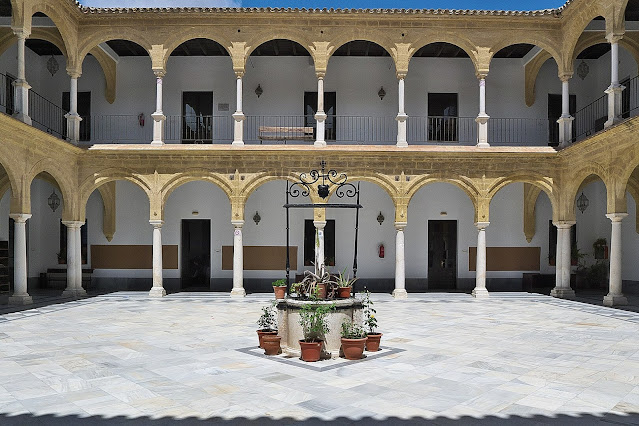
(614, 37)
(319, 224)
(20, 217)
(320, 74)
(21, 32)
(159, 73)
(616, 217)
(157, 224)
(482, 225)
(564, 224)
(74, 224)
(401, 75)
(400, 226)
(481, 76)
(239, 74)
(74, 74)
(237, 224)
(565, 77)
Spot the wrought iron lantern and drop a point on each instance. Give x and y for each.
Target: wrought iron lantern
(381, 93)
(257, 218)
(583, 69)
(582, 202)
(53, 201)
(52, 65)
(380, 218)
(259, 90)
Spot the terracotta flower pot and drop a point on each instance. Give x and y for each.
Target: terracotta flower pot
(353, 348)
(280, 292)
(344, 292)
(372, 344)
(271, 344)
(321, 291)
(311, 351)
(261, 333)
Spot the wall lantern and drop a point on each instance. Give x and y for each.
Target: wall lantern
(257, 218)
(52, 65)
(380, 218)
(381, 93)
(583, 69)
(53, 201)
(582, 202)
(259, 91)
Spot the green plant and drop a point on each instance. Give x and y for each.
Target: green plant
(369, 312)
(267, 321)
(597, 274)
(351, 330)
(344, 281)
(279, 283)
(313, 321)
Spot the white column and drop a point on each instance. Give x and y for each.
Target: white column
(320, 115)
(20, 295)
(238, 260)
(74, 260)
(238, 115)
(158, 116)
(482, 118)
(480, 291)
(615, 295)
(158, 288)
(400, 265)
(565, 121)
(615, 89)
(401, 115)
(562, 288)
(319, 243)
(20, 84)
(73, 119)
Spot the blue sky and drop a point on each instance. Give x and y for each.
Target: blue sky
(359, 4)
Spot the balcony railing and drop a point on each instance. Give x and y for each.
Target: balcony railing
(46, 115)
(591, 118)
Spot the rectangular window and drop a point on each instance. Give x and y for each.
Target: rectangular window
(84, 111)
(310, 240)
(197, 117)
(442, 117)
(62, 255)
(310, 108)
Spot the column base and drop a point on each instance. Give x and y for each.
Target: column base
(320, 144)
(615, 300)
(237, 143)
(562, 293)
(157, 292)
(482, 145)
(480, 293)
(238, 292)
(74, 292)
(22, 299)
(400, 293)
(23, 117)
(402, 144)
(610, 123)
(157, 143)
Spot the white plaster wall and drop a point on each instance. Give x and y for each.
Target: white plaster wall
(4, 216)
(44, 229)
(543, 214)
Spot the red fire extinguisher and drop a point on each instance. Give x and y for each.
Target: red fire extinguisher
(381, 251)
(141, 119)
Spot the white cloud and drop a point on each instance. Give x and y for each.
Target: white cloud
(161, 3)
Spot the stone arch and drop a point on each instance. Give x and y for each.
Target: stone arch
(589, 39)
(291, 34)
(543, 183)
(52, 35)
(582, 178)
(374, 37)
(463, 183)
(575, 29)
(92, 40)
(531, 71)
(193, 175)
(64, 183)
(62, 22)
(545, 44)
(12, 177)
(451, 38)
(252, 184)
(192, 33)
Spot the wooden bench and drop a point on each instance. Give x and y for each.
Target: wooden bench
(286, 133)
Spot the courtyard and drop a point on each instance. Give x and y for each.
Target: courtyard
(125, 358)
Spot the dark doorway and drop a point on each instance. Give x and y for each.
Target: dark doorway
(442, 254)
(310, 108)
(84, 111)
(442, 117)
(62, 254)
(196, 253)
(197, 113)
(309, 242)
(11, 249)
(554, 112)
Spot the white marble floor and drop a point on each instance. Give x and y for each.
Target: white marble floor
(513, 359)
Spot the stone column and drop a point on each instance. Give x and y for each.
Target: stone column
(480, 291)
(401, 115)
(74, 260)
(158, 288)
(73, 119)
(319, 243)
(238, 260)
(158, 116)
(320, 115)
(400, 265)
(20, 84)
(615, 295)
(482, 118)
(562, 288)
(565, 121)
(238, 115)
(20, 295)
(615, 89)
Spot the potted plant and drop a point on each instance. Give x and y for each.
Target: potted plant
(279, 288)
(267, 323)
(314, 327)
(576, 255)
(315, 285)
(353, 340)
(271, 344)
(601, 248)
(374, 337)
(344, 285)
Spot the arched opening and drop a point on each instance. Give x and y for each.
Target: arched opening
(272, 69)
(197, 231)
(438, 237)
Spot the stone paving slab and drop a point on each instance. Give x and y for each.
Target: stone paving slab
(126, 358)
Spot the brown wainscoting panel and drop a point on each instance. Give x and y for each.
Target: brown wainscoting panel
(507, 258)
(131, 257)
(261, 258)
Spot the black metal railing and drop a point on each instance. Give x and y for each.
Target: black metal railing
(7, 94)
(630, 98)
(46, 115)
(198, 129)
(591, 118)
